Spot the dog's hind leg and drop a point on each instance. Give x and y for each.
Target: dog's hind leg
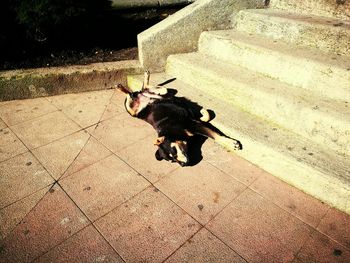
(146, 77)
(215, 134)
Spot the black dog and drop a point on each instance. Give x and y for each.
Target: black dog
(175, 119)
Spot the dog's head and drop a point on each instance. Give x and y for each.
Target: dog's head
(172, 150)
(136, 101)
(132, 101)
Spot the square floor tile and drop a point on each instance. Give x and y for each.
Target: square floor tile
(57, 156)
(230, 163)
(45, 129)
(103, 186)
(140, 156)
(18, 111)
(92, 152)
(85, 246)
(202, 190)
(21, 176)
(204, 247)
(121, 131)
(10, 145)
(11, 215)
(258, 230)
(84, 108)
(336, 224)
(52, 221)
(111, 111)
(320, 248)
(304, 206)
(147, 228)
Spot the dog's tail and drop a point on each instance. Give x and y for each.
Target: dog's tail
(166, 82)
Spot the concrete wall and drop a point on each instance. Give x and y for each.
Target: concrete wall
(179, 33)
(120, 4)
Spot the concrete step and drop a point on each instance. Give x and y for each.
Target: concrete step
(322, 120)
(329, 8)
(327, 34)
(328, 75)
(294, 159)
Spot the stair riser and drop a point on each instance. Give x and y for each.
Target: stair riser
(327, 130)
(328, 8)
(333, 39)
(287, 68)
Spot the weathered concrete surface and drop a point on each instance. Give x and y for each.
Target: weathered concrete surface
(296, 160)
(324, 121)
(121, 4)
(329, 8)
(327, 34)
(32, 83)
(315, 70)
(179, 33)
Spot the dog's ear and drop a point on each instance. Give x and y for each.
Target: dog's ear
(158, 157)
(159, 140)
(123, 89)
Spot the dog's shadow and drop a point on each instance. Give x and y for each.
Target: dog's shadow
(195, 144)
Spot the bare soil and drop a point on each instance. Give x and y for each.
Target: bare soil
(114, 38)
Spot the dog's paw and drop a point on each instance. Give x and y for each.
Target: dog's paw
(160, 91)
(237, 145)
(205, 115)
(230, 143)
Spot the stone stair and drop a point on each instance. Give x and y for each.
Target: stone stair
(280, 83)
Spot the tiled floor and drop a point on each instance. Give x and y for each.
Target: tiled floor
(79, 183)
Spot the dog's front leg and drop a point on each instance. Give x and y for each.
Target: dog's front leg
(152, 90)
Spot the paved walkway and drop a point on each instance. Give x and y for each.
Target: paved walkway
(79, 183)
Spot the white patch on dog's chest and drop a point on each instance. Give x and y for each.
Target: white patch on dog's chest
(143, 102)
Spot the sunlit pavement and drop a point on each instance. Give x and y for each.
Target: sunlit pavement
(79, 183)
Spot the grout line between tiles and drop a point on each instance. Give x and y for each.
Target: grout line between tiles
(63, 177)
(91, 222)
(284, 209)
(276, 204)
(331, 238)
(31, 119)
(195, 233)
(225, 244)
(60, 243)
(82, 148)
(34, 192)
(65, 114)
(30, 150)
(50, 186)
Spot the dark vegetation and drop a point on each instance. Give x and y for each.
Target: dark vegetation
(39, 33)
